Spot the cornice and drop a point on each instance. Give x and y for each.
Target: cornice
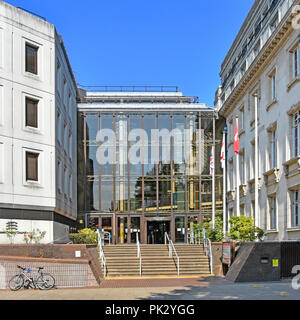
(267, 53)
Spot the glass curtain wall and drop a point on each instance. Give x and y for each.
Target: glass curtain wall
(138, 170)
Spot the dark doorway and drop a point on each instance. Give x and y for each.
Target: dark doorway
(156, 231)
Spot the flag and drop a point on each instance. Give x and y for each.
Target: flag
(212, 162)
(236, 143)
(223, 153)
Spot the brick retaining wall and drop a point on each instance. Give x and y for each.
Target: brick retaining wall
(59, 260)
(67, 273)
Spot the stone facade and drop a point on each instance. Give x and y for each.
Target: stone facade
(38, 113)
(263, 67)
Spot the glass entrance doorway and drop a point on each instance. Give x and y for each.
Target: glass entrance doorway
(156, 231)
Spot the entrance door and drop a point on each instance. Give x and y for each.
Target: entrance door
(156, 231)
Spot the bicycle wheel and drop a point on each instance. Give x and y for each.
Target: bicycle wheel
(16, 283)
(45, 282)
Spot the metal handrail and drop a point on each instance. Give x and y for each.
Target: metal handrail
(139, 255)
(171, 248)
(101, 253)
(194, 237)
(207, 249)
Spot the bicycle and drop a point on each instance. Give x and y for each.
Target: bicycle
(44, 281)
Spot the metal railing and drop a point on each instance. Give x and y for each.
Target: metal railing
(194, 237)
(207, 249)
(130, 88)
(139, 255)
(101, 253)
(171, 247)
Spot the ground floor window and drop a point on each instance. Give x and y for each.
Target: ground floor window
(295, 209)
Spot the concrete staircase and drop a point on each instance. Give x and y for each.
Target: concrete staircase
(122, 261)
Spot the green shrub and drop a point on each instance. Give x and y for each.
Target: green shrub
(243, 229)
(85, 236)
(214, 235)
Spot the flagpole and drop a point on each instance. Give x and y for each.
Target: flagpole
(224, 185)
(256, 161)
(237, 176)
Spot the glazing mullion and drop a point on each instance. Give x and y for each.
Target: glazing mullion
(114, 164)
(100, 177)
(85, 160)
(157, 165)
(128, 162)
(143, 166)
(200, 163)
(171, 162)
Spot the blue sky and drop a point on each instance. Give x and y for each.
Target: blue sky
(138, 42)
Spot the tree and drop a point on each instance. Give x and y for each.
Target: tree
(215, 235)
(243, 229)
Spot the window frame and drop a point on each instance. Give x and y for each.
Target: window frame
(36, 103)
(296, 134)
(295, 208)
(36, 56)
(36, 156)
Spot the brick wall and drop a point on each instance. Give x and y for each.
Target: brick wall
(61, 261)
(67, 273)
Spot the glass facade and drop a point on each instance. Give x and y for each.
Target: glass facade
(150, 164)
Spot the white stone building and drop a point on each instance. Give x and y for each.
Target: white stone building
(38, 128)
(263, 67)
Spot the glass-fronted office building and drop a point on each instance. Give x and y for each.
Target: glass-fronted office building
(144, 163)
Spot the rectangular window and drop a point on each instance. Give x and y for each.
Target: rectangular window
(31, 59)
(295, 209)
(31, 113)
(295, 62)
(242, 118)
(32, 166)
(242, 169)
(273, 213)
(273, 150)
(296, 134)
(273, 87)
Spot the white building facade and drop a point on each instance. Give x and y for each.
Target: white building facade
(262, 69)
(38, 125)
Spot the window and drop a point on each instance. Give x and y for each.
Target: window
(31, 59)
(296, 134)
(242, 118)
(295, 209)
(273, 86)
(231, 176)
(295, 62)
(273, 213)
(59, 175)
(65, 181)
(274, 23)
(242, 169)
(32, 166)
(257, 49)
(243, 68)
(70, 187)
(31, 113)
(273, 149)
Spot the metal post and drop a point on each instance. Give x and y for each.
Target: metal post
(256, 161)
(237, 177)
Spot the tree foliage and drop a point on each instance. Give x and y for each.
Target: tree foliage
(243, 229)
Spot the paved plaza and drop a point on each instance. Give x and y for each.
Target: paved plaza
(163, 289)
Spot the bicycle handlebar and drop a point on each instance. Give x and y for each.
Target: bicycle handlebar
(38, 268)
